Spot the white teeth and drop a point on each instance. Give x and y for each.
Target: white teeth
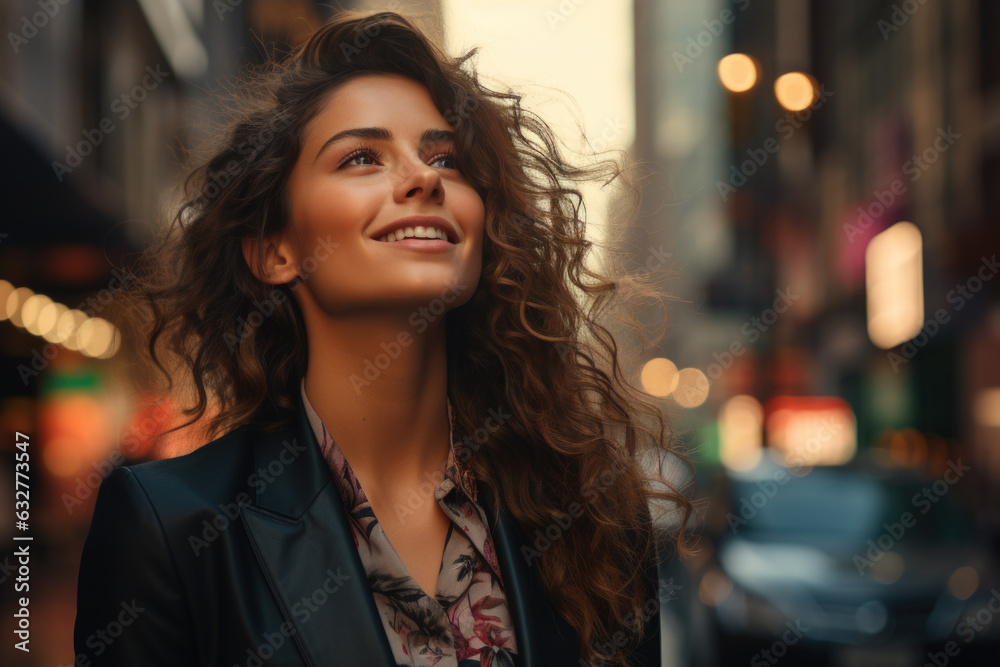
(418, 232)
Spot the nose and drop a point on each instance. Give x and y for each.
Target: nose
(422, 182)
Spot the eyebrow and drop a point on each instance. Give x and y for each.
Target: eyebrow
(384, 134)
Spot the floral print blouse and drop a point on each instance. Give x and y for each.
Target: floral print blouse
(467, 622)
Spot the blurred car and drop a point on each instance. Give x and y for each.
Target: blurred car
(854, 565)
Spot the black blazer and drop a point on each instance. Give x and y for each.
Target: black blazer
(240, 553)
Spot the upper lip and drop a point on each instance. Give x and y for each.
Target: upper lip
(422, 220)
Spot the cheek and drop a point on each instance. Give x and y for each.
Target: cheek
(336, 210)
(330, 236)
(477, 231)
(474, 211)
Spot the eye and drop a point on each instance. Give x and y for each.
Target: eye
(361, 152)
(446, 156)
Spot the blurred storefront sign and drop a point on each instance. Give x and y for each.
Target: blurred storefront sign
(811, 430)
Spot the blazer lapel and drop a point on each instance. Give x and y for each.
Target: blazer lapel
(300, 535)
(544, 639)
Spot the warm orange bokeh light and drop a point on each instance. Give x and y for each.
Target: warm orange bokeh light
(738, 72)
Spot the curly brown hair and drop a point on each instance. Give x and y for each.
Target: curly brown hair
(532, 326)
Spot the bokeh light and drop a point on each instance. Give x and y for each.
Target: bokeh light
(738, 72)
(894, 283)
(796, 91)
(963, 582)
(692, 388)
(741, 432)
(659, 377)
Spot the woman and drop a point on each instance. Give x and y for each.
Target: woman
(373, 285)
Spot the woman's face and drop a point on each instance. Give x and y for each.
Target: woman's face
(378, 153)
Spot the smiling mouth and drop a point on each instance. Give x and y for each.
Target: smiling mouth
(416, 233)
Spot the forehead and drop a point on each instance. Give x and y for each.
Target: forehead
(378, 100)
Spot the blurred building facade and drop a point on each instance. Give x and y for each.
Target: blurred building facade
(764, 203)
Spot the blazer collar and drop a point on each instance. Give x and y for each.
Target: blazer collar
(300, 534)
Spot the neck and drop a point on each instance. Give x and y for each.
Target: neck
(383, 398)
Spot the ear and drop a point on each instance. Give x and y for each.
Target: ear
(280, 261)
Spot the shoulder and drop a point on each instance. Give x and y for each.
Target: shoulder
(214, 476)
(143, 546)
(206, 472)
(228, 450)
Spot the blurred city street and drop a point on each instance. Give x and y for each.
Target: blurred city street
(820, 198)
